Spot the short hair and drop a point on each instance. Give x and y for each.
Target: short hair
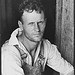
(30, 6)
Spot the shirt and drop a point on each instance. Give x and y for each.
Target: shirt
(11, 59)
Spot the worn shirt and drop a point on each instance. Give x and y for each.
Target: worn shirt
(12, 62)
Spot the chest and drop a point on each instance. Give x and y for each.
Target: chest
(37, 67)
(34, 59)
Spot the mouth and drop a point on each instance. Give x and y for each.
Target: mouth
(38, 34)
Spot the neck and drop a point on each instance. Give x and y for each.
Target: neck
(30, 45)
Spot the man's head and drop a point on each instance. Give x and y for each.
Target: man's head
(32, 19)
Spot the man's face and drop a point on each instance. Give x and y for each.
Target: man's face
(33, 25)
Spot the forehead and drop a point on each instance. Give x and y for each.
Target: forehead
(33, 16)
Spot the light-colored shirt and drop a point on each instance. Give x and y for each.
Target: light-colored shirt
(11, 59)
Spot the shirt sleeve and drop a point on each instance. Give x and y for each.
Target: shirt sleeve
(56, 62)
(11, 62)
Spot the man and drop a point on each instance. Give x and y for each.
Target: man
(26, 52)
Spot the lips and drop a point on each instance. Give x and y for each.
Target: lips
(38, 34)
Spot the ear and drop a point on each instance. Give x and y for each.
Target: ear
(20, 25)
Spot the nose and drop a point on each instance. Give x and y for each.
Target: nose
(37, 27)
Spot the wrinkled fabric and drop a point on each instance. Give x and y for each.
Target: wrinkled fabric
(12, 63)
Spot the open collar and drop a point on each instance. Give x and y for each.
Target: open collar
(14, 41)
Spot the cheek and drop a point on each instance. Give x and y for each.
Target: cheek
(28, 30)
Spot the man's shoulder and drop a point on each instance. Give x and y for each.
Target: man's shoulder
(7, 48)
(46, 41)
(5, 45)
(48, 45)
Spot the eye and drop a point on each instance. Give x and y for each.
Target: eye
(40, 23)
(31, 23)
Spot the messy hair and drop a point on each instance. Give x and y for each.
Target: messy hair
(30, 6)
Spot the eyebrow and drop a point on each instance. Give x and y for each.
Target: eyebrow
(34, 22)
(31, 23)
(39, 21)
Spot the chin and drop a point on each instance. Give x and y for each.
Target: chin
(37, 39)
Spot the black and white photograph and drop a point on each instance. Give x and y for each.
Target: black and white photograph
(37, 37)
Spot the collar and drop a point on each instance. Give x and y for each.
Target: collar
(13, 39)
